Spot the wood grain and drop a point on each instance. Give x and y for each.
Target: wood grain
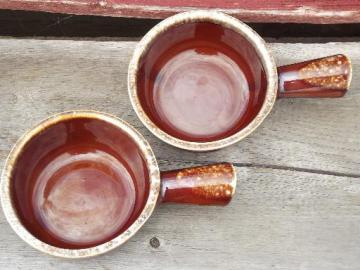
(304, 11)
(297, 204)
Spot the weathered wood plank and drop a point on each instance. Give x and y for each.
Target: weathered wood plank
(304, 11)
(277, 220)
(282, 217)
(41, 77)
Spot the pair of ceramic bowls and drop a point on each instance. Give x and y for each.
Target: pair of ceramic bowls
(83, 182)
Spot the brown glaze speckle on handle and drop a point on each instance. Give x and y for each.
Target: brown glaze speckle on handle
(325, 77)
(209, 185)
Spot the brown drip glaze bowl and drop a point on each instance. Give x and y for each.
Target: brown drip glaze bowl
(81, 183)
(203, 80)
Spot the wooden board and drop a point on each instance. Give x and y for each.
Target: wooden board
(304, 11)
(297, 204)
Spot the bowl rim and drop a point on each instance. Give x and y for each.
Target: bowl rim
(227, 22)
(9, 208)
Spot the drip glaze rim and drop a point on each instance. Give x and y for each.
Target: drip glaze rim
(9, 208)
(228, 22)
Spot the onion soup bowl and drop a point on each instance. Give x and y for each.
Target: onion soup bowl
(203, 80)
(82, 183)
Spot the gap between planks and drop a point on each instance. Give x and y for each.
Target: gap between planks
(266, 166)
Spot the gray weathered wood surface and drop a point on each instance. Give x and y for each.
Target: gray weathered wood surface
(298, 200)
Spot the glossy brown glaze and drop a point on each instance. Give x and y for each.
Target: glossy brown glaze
(208, 185)
(324, 77)
(201, 82)
(79, 183)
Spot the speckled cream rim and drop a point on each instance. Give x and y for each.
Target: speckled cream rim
(10, 212)
(228, 22)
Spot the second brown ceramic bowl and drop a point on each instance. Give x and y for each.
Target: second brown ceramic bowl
(81, 183)
(203, 80)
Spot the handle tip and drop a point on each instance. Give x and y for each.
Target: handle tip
(216, 183)
(324, 77)
(207, 185)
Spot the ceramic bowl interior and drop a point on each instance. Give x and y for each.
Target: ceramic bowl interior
(79, 182)
(201, 81)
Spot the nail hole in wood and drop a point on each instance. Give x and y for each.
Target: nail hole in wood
(154, 242)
